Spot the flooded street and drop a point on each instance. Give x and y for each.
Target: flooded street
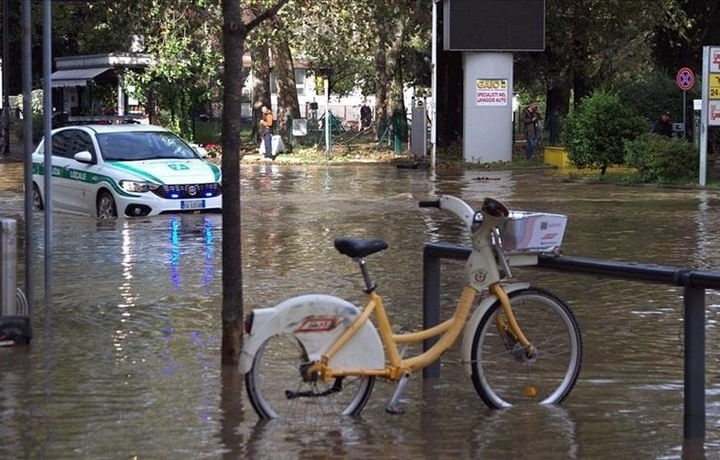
(125, 359)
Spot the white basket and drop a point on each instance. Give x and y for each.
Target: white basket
(533, 231)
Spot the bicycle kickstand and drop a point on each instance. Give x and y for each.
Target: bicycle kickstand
(392, 408)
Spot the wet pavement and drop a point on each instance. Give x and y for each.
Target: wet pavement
(125, 359)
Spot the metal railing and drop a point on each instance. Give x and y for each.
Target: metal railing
(693, 281)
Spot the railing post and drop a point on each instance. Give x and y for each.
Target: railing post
(431, 305)
(694, 415)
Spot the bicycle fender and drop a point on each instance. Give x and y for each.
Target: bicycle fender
(474, 321)
(316, 320)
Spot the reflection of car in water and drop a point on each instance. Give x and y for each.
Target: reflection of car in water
(108, 171)
(200, 230)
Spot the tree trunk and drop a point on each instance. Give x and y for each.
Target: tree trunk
(382, 78)
(449, 98)
(234, 35)
(260, 56)
(397, 84)
(287, 105)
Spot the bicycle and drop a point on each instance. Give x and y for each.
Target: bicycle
(318, 354)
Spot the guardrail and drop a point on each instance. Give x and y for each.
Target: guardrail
(693, 281)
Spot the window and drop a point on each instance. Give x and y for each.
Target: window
(62, 144)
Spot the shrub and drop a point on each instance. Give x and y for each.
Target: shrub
(595, 133)
(661, 159)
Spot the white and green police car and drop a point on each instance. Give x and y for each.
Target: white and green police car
(127, 170)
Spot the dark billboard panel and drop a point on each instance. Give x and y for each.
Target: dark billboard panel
(494, 25)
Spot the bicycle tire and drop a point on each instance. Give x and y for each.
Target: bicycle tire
(275, 374)
(503, 376)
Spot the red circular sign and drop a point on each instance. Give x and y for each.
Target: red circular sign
(685, 78)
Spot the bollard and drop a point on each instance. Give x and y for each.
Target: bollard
(8, 266)
(14, 327)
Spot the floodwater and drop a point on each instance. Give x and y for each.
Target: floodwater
(125, 358)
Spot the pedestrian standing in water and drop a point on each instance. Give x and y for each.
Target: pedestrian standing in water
(267, 125)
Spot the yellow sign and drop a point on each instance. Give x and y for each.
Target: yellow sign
(714, 81)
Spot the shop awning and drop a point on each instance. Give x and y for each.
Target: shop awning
(75, 77)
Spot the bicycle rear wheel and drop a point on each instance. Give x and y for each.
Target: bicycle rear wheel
(504, 376)
(277, 389)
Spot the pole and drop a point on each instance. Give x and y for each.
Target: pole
(433, 105)
(27, 149)
(694, 380)
(328, 123)
(5, 82)
(704, 116)
(47, 128)
(684, 132)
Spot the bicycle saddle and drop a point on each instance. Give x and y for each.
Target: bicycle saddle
(359, 247)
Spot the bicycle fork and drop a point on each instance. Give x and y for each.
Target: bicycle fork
(509, 329)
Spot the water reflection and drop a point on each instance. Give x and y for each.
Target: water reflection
(125, 361)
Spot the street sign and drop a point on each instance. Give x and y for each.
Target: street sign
(714, 86)
(685, 78)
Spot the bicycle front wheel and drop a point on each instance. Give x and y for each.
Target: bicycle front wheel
(277, 389)
(503, 374)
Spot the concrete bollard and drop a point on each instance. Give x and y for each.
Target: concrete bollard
(14, 327)
(8, 266)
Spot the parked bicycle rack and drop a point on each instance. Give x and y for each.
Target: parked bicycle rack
(14, 319)
(694, 282)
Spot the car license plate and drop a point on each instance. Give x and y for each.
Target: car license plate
(194, 204)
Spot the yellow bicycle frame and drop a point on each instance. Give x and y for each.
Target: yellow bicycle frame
(449, 331)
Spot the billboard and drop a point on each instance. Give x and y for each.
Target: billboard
(494, 25)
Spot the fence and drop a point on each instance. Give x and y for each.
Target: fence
(693, 281)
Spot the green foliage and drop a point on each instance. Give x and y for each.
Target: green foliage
(596, 131)
(36, 101)
(661, 159)
(656, 92)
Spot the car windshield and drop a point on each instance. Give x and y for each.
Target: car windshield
(143, 145)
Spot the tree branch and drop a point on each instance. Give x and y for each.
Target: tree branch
(266, 14)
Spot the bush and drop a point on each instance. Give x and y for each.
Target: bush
(596, 132)
(661, 159)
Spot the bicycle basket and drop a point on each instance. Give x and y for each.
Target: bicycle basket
(533, 231)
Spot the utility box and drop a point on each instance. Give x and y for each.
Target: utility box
(418, 132)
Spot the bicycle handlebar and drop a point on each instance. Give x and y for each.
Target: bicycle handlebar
(491, 208)
(429, 204)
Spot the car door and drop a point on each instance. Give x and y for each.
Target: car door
(76, 187)
(61, 183)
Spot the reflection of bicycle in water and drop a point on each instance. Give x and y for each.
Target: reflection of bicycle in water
(316, 354)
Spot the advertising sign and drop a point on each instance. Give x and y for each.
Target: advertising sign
(491, 91)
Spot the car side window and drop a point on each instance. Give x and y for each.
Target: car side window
(62, 144)
(82, 142)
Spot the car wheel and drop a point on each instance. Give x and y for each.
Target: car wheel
(37, 199)
(106, 206)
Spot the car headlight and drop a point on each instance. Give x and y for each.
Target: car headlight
(137, 186)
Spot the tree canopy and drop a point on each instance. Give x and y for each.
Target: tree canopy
(380, 46)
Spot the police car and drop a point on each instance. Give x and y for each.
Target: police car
(128, 170)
